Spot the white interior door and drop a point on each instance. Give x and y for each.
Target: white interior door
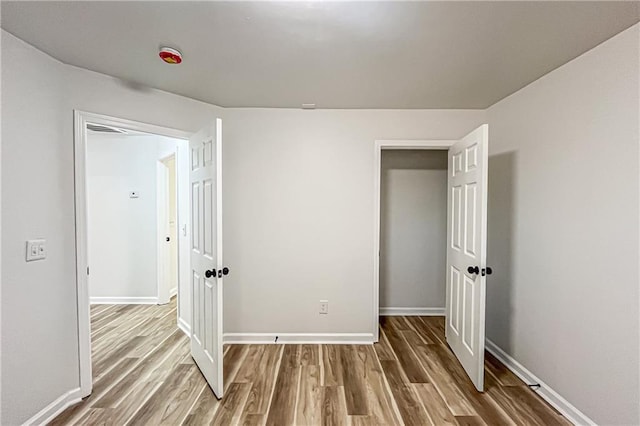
(163, 232)
(172, 217)
(467, 251)
(206, 253)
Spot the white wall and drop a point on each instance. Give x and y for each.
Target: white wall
(39, 298)
(39, 336)
(563, 229)
(298, 205)
(122, 231)
(413, 228)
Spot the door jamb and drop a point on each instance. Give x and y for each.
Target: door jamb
(80, 119)
(379, 146)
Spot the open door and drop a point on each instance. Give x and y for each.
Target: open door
(206, 253)
(467, 251)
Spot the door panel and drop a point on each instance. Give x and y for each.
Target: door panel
(206, 253)
(467, 228)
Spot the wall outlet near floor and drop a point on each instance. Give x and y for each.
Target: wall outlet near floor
(324, 307)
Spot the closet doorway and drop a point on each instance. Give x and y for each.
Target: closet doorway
(411, 194)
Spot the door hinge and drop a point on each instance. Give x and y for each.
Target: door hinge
(87, 270)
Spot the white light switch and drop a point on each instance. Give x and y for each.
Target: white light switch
(36, 250)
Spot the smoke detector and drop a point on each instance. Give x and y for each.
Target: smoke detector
(170, 55)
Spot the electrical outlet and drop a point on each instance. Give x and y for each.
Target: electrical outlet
(36, 250)
(324, 307)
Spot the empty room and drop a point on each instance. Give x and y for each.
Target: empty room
(320, 213)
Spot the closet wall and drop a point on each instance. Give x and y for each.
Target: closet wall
(413, 229)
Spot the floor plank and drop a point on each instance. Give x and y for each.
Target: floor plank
(309, 409)
(230, 410)
(355, 389)
(411, 409)
(283, 402)
(334, 406)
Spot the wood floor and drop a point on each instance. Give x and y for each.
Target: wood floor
(144, 375)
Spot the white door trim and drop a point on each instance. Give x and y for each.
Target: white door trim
(379, 146)
(80, 119)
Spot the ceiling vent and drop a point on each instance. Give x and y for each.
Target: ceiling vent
(103, 129)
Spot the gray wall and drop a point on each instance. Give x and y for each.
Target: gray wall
(298, 203)
(413, 228)
(563, 229)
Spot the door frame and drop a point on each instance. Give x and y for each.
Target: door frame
(379, 146)
(80, 120)
(163, 211)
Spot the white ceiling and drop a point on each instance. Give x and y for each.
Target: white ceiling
(333, 54)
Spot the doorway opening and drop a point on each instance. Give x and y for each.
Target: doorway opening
(132, 241)
(413, 232)
(430, 245)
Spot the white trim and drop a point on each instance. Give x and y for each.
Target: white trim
(385, 144)
(173, 292)
(186, 328)
(49, 412)
(408, 312)
(298, 338)
(82, 262)
(379, 145)
(565, 408)
(81, 118)
(123, 300)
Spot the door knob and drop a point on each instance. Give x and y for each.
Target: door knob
(473, 270)
(168, 239)
(487, 271)
(223, 271)
(210, 273)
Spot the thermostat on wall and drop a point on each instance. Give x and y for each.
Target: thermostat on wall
(133, 194)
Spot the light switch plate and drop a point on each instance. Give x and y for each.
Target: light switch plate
(36, 250)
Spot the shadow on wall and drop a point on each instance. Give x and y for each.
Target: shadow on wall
(500, 232)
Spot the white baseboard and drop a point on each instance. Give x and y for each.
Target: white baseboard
(123, 300)
(173, 292)
(186, 329)
(309, 338)
(49, 412)
(572, 414)
(423, 312)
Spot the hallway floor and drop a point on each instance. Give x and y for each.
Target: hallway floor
(144, 375)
